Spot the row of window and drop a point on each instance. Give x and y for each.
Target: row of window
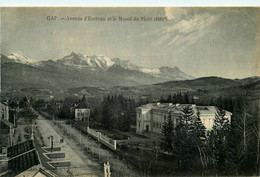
(157, 125)
(209, 121)
(82, 114)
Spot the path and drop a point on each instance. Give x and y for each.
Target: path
(80, 163)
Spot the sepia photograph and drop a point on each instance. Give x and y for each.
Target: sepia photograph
(129, 91)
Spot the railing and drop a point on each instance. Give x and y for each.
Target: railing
(93, 133)
(109, 142)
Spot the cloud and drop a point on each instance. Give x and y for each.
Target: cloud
(185, 31)
(173, 13)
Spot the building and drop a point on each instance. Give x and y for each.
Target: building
(6, 133)
(80, 111)
(28, 159)
(150, 117)
(4, 111)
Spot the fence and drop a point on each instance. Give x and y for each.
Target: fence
(109, 142)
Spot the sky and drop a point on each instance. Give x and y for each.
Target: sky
(202, 42)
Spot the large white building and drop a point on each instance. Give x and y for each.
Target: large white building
(150, 117)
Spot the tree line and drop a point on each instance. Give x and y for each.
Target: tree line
(230, 148)
(117, 112)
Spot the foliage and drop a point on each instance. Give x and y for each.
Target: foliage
(188, 139)
(167, 131)
(218, 142)
(178, 97)
(117, 112)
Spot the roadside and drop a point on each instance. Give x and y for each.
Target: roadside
(96, 151)
(81, 165)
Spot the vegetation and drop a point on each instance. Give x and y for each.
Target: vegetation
(167, 131)
(228, 149)
(116, 112)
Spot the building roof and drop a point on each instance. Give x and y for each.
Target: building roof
(7, 123)
(81, 105)
(23, 161)
(20, 148)
(37, 171)
(43, 159)
(3, 103)
(177, 108)
(26, 155)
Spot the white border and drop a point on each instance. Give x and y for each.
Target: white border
(127, 3)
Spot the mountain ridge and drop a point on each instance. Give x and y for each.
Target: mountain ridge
(103, 63)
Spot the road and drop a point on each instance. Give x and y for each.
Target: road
(81, 165)
(86, 155)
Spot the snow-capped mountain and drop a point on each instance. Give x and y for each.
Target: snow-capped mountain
(92, 62)
(84, 70)
(103, 63)
(19, 58)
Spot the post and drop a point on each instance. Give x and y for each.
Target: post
(14, 121)
(11, 137)
(88, 121)
(99, 136)
(115, 144)
(32, 136)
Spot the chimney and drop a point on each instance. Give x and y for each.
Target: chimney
(51, 142)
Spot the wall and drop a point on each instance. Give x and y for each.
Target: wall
(144, 118)
(109, 142)
(82, 114)
(4, 112)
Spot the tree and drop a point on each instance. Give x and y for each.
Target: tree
(106, 116)
(186, 141)
(218, 142)
(167, 131)
(186, 99)
(199, 135)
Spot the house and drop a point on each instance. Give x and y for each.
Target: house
(150, 117)
(6, 134)
(80, 110)
(82, 113)
(4, 110)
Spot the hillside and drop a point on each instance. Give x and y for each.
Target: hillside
(77, 70)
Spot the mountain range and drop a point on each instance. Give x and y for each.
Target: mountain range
(77, 70)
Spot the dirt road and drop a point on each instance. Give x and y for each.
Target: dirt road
(81, 165)
(86, 155)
